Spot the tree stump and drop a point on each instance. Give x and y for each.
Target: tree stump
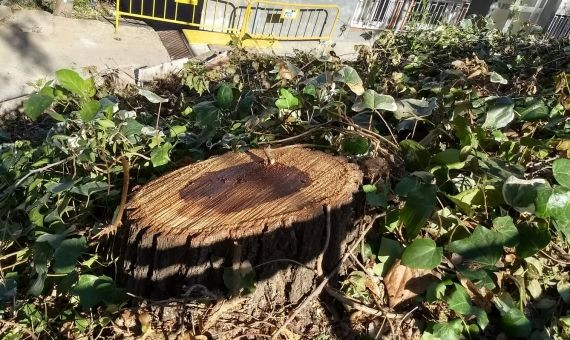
(276, 210)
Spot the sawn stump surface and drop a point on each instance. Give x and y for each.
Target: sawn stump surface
(184, 227)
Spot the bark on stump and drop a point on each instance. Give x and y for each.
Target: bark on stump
(190, 225)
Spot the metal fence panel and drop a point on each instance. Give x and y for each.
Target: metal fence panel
(259, 19)
(559, 26)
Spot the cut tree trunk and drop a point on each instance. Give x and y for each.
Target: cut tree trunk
(275, 210)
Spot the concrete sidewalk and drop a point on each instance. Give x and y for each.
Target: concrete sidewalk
(34, 44)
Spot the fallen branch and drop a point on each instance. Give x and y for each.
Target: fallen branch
(44, 168)
(112, 228)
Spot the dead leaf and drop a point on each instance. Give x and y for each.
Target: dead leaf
(564, 146)
(290, 335)
(475, 74)
(403, 283)
(218, 61)
(459, 64)
(510, 258)
(480, 296)
(287, 70)
(146, 322)
(127, 320)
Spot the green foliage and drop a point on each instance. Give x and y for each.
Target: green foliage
(355, 145)
(561, 171)
(224, 96)
(72, 82)
(500, 113)
(287, 101)
(373, 101)
(419, 206)
(350, 77)
(36, 105)
(91, 290)
(423, 254)
(515, 323)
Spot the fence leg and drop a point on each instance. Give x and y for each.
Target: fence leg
(243, 30)
(117, 15)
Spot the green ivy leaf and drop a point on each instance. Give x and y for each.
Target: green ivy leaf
(177, 130)
(375, 197)
(388, 253)
(448, 330)
(521, 193)
(416, 157)
(558, 207)
(206, 114)
(355, 145)
(419, 206)
(561, 171)
(89, 110)
(535, 111)
(36, 217)
(500, 113)
(506, 231)
(415, 109)
(532, 239)
(450, 158)
(106, 123)
(74, 83)
(159, 156)
(481, 317)
(67, 253)
(422, 254)
(64, 184)
(406, 185)
(373, 101)
(287, 101)
(36, 105)
(225, 96)
(310, 90)
(481, 247)
(459, 301)
(245, 104)
(515, 323)
(152, 97)
(93, 290)
(436, 290)
(543, 193)
(350, 77)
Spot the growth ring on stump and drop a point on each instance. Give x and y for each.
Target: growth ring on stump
(187, 226)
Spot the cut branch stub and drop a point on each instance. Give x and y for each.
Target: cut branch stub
(187, 226)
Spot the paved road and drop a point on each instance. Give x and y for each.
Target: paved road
(34, 44)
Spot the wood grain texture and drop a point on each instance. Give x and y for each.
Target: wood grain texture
(237, 194)
(184, 227)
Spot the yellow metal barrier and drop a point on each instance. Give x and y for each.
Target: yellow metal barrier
(288, 21)
(252, 19)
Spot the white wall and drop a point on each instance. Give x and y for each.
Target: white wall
(564, 8)
(502, 12)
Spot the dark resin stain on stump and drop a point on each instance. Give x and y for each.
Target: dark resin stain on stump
(186, 226)
(244, 186)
